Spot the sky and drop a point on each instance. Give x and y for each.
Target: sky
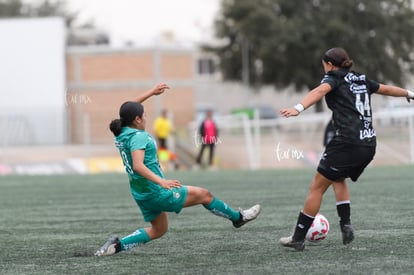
(143, 21)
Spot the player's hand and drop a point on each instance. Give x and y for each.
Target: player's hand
(288, 112)
(168, 184)
(159, 88)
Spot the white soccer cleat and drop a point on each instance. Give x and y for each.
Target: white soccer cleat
(112, 246)
(247, 215)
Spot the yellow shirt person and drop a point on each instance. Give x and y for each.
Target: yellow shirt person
(162, 129)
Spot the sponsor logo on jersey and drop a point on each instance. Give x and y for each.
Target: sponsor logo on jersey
(358, 89)
(367, 133)
(350, 77)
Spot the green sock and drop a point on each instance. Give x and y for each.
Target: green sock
(220, 208)
(137, 238)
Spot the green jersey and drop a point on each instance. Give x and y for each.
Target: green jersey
(128, 141)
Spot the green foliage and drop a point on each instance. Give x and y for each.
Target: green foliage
(10, 8)
(43, 8)
(288, 38)
(53, 224)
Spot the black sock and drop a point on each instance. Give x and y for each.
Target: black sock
(344, 213)
(240, 219)
(118, 247)
(302, 226)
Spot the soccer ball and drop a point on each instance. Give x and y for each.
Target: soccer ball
(319, 229)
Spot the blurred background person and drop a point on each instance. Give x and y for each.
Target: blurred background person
(208, 132)
(163, 129)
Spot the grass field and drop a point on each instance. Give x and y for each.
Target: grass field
(53, 224)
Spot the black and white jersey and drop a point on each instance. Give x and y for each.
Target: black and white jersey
(350, 102)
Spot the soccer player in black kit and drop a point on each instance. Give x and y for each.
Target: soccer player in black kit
(347, 94)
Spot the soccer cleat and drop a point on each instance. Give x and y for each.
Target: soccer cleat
(112, 246)
(347, 233)
(247, 215)
(289, 242)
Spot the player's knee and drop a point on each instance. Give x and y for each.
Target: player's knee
(204, 196)
(207, 196)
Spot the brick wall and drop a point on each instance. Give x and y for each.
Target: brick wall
(100, 79)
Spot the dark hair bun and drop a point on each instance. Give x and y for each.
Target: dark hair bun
(338, 57)
(116, 126)
(347, 64)
(127, 112)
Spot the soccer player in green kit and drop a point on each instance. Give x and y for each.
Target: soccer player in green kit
(154, 194)
(347, 94)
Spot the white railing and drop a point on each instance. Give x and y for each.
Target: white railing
(307, 124)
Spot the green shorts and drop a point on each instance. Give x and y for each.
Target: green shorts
(166, 201)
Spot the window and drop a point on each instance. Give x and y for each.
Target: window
(205, 66)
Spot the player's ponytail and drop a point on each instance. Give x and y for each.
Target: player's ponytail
(116, 126)
(338, 57)
(347, 64)
(127, 114)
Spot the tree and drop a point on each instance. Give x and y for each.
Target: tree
(44, 8)
(10, 8)
(85, 34)
(287, 38)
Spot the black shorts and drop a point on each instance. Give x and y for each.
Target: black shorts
(162, 143)
(345, 160)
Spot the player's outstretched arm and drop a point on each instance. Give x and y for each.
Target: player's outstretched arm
(395, 91)
(156, 90)
(308, 100)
